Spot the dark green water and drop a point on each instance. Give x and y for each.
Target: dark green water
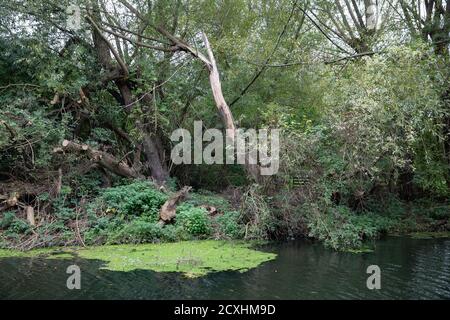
(410, 269)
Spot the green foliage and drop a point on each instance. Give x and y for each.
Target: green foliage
(229, 225)
(386, 116)
(195, 220)
(7, 219)
(205, 197)
(340, 229)
(129, 214)
(141, 231)
(18, 227)
(126, 213)
(139, 198)
(363, 135)
(257, 215)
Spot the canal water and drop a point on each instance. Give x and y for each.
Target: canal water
(410, 269)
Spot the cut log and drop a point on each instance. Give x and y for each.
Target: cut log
(13, 200)
(168, 210)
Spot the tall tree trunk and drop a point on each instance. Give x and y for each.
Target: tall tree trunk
(158, 170)
(150, 144)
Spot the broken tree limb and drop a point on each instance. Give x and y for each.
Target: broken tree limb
(216, 88)
(102, 158)
(55, 99)
(224, 109)
(168, 210)
(184, 46)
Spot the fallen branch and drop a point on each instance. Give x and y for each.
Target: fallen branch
(102, 158)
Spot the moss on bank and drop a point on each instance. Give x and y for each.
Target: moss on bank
(192, 258)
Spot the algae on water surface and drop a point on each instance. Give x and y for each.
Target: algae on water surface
(192, 258)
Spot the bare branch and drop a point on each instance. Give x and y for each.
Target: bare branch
(138, 43)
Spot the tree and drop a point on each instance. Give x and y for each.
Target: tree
(355, 24)
(428, 20)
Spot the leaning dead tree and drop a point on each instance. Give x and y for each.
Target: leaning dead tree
(216, 88)
(209, 62)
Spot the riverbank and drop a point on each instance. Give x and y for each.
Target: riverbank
(129, 213)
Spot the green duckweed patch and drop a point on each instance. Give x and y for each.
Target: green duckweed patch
(42, 252)
(192, 258)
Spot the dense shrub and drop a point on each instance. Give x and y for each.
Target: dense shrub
(229, 226)
(205, 197)
(261, 221)
(194, 219)
(129, 214)
(13, 226)
(140, 198)
(7, 219)
(341, 229)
